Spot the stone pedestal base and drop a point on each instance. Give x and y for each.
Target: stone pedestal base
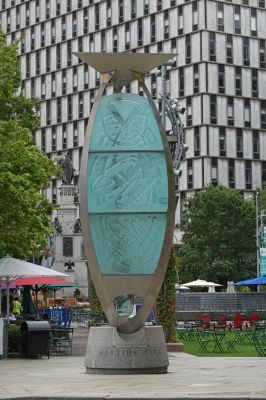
(141, 352)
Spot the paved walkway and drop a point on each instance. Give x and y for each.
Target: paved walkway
(188, 377)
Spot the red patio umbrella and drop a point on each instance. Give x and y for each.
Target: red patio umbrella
(42, 280)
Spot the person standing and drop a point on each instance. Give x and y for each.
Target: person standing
(16, 307)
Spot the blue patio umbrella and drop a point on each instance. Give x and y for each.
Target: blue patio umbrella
(254, 281)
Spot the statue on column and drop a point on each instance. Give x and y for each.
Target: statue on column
(68, 169)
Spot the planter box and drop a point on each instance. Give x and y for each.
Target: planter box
(174, 347)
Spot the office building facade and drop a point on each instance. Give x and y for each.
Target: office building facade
(219, 76)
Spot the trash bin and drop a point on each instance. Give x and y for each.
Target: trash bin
(35, 338)
(3, 338)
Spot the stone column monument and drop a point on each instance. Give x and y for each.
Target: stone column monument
(127, 206)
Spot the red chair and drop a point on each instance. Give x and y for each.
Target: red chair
(204, 321)
(238, 321)
(252, 318)
(220, 321)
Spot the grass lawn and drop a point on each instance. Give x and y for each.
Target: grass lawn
(242, 350)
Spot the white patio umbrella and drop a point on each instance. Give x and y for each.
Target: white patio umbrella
(12, 268)
(201, 283)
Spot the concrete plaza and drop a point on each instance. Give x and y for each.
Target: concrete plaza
(188, 377)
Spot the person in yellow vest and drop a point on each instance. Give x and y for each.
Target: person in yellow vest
(16, 307)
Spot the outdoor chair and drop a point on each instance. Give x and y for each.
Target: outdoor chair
(259, 342)
(220, 321)
(238, 321)
(61, 340)
(204, 321)
(252, 318)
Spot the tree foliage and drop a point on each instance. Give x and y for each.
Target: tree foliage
(166, 302)
(219, 236)
(24, 170)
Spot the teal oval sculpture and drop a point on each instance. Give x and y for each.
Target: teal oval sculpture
(127, 202)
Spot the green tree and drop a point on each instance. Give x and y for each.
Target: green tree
(219, 236)
(24, 170)
(166, 302)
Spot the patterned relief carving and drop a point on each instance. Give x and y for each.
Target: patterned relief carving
(125, 122)
(128, 244)
(127, 182)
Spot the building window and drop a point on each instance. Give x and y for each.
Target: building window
(48, 112)
(229, 49)
(256, 144)
(153, 28)
(195, 17)
(212, 46)
(262, 53)
(86, 76)
(48, 59)
(166, 24)
(196, 78)
(47, 8)
(263, 172)
(127, 36)
(238, 81)
(263, 114)
(189, 174)
(248, 173)
(247, 113)
(213, 109)
(75, 134)
(254, 83)
(32, 38)
(253, 22)
(80, 105)
(53, 138)
(43, 87)
(121, 10)
(245, 51)
(32, 90)
(69, 107)
(146, 7)
(75, 79)
(140, 32)
(69, 5)
(74, 24)
(159, 5)
(42, 34)
(220, 16)
(64, 137)
(189, 111)
(58, 7)
(22, 44)
(188, 49)
(196, 141)
(239, 143)
(231, 173)
(237, 24)
(262, 3)
(97, 17)
(37, 11)
(58, 56)
(133, 9)
(53, 31)
(59, 110)
(221, 78)
(37, 63)
(69, 53)
(64, 82)
(230, 111)
(222, 141)
(181, 82)
(63, 28)
(85, 20)
(43, 140)
(180, 19)
(153, 86)
(53, 84)
(214, 171)
(108, 13)
(27, 14)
